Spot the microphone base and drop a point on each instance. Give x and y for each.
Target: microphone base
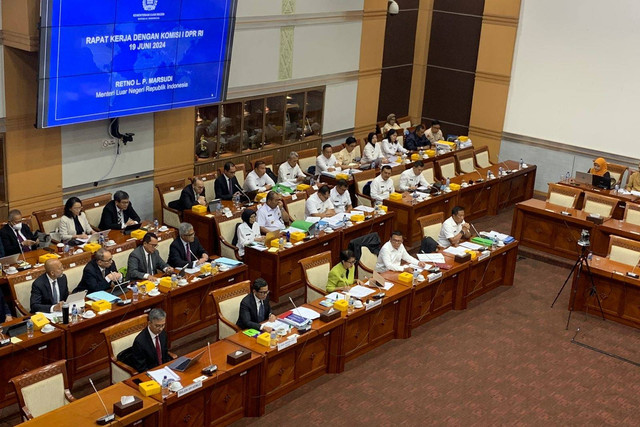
(106, 419)
(634, 275)
(209, 370)
(248, 204)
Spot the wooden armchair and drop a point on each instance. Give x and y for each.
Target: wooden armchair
(446, 168)
(482, 157)
(43, 389)
(632, 214)
(429, 173)
(268, 161)
(315, 270)
(226, 228)
(361, 180)
(396, 171)
(209, 189)
(431, 225)
(562, 195)
(119, 337)
(227, 301)
(93, 207)
(307, 158)
(169, 192)
(295, 208)
(617, 172)
(48, 219)
(598, 204)
(465, 162)
(623, 250)
(366, 263)
(20, 285)
(74, 267)
(121, 252)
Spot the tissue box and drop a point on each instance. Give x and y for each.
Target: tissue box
(121, 410)
(100, 305)
(342, 176)
(205, 268)
(149, 388)
(148, 285)
(303, 187)
(415, 156)
(43, 258)
(328, 315)
(260, 196)
(264, 339)
(239, 356)
(462, 258)
(138, 234)
(357, 217)
(454, 187)
(165, 285)
(384, 208)
(199, 209)
(275, 243)
(92, 247)
(341, 305)
(296, 236)
(430, 153)
(395, 196)
(406, 278)
(39, 321)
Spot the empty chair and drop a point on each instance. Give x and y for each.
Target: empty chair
(482, 157)
(226, 231)
(48, 219)
(120, 337)
(227, 301)
(465, 162)
(295, 208)
(366, 249)
(598, 204)
(315, 270)
(446, 168)
(170, 192)
(431, 225)
(307, 158)
(617, 172)
(428, 172)
(564, 196)
(632, 214)
(361, 179)
(623, 250)
(93, 206)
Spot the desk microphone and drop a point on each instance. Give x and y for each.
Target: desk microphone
(122, 301)
(632, 274)
(474, 229)
(307, 325)
(250, 203)
(209, 370)
(107, 418)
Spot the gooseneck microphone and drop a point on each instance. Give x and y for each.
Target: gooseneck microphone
(109, 417)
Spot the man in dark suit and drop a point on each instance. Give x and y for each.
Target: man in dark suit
(50, 290)
(118, 213)
(150, 348)
(226, 185)
(145, 260)
(99, 273)
(16, 234)
(192, 195)
(5, 312)
(186, 249)
(255, 308)
(417, 140)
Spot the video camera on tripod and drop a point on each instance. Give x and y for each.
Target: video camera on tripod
(584, 241)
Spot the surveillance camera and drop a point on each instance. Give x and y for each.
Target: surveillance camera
(393, 8)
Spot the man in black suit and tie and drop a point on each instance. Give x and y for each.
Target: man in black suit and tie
(17, 235)
(49, 291)
(255, 308)
(192, 195)
(149, 348)
(145, 260)
(186, 249)
(226, 185)
(99, 273)
(118, 213)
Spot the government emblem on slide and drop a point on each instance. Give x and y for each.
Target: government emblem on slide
(149, 5)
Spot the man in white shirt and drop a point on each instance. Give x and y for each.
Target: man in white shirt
(326, 162)
(434, 133)
(258, 180)
(272, 216)
(454, 228)
(319, 204)
(382, 185)
(393, 253)
(340, 197)
(347, 155)
(413, 178)
(289, 173)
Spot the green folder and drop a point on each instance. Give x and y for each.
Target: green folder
(302, 225)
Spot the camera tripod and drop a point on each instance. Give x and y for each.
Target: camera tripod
(577, 268)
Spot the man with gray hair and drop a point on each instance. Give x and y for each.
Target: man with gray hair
(289, 173)
(186, 250)
(150, 348)
(99, 273)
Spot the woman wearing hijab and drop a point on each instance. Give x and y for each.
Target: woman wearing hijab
(248, 231)
(372, 150)
(390, 124)
(74, 223)
(600, 168)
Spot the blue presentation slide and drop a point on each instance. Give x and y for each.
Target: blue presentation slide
(113, 58)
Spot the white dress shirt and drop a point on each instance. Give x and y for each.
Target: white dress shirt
(409, 179)
(434, 137)
(288, 174)
(381, 189)
(246, 234)
(340, 201)
(253, 182)
(322, 163)
(271, 219)
(391, 259)
(315, 205)
(390, 149)
(371, 153)
(449, 229)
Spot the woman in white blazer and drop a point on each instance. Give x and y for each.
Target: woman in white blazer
(74, 223)
(372, 150)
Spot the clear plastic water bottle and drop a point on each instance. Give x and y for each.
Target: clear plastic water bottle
(288, 236)
(174, 281)
(448, 183)
(134, 293)
(415, 276)
(567, 176)
(74, 314)
(521, 165)
(312, 181)
(273, 339)
(236, 200)
(406, 132)
(101, 239)
(414, 197)
(30, 328)
(66, 249)
(156, 224)
(165, 387)
(500, 171)
(351, 305)
(404, 157)
(616, 188)
(281, 242)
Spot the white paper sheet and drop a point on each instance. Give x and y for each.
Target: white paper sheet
(452, 250)
(439, 258)
(276, 325)
(158, 374)
(307, 313)
(471, 245)
(367, 209)
(360, 291)
(386, 286)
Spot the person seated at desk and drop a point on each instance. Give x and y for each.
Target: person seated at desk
(372, 151)
(382, 185)
(118, 213)
(74, 224)
(272, 216)
(393, 253)
(226, 185)
(99, 274)
(633, 183)
(417, 140)
(326, 162)
(186, 250)
(391, 149)
(412, 178)
(258, 179)
(5, 313)
(600, 168)
(150, 347)
(454, 229)
(343, 275)
(347, 155)
(434, 134)
(247, 231)
(340, 197)
(144, 261)
(319, 204)
(50, 290)
(255, 308)
(16, 236)
(289, 172)
(192, 195)
(390, 124)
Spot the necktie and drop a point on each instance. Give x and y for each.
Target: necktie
(55, 292)
(149, 264)
(158, 350)
(121, 218)
(230, 186)
(261, 312)
(20, 240)
(187, 251)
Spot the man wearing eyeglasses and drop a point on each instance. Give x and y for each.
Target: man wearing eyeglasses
(99, 274)
(145, 260)
(255, 308)
(186, 249)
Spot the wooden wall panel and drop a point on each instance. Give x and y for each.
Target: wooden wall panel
(420, 55)
(454, 41)
(399, 38)
(502, 8)
(395, 90)
(448, 95)
(20, 19)
(496, 39)
(470, 7)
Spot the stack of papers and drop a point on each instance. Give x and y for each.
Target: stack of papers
(277, 325)
(453, 250)
(435, 258)
(227, 261)
(360, 291)
(307, 313)
(158, 374)
(472, 246)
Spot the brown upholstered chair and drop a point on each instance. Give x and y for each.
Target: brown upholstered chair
(315, 270)
(366, 263)
(93, 207)
(268, 160)
(226, 228)
(598, 204)
(295, 208)
(632, 214)
(48, 219)
(209, 179)
(563, 195)
(361, 180)
(20, 285)
(465, 162)
(482, 157)
(617, 172)
(431, 225)
(307, 158)
(119, 337)
(240, 173)
(227, 301)
(396, 171)
(169, 192)
(623, 250)
(446, 168)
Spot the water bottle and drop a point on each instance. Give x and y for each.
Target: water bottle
(414, 197)
(30, 328)
(156, 224)
(134, 293)
(281, 242)
(236, 200)
(288, 236)
(101, 239)
(174, 281)
(520, 166)
(165, 387)
(404, 157)
(590, 256)
(568, 176)
(616, 188)
(448, 183)
(273, 339)
(500, 171)
(312, 181)
(406, 132)
(415, 276)
(74, 314)
(344, 220)
(351, 304)
(66, 248)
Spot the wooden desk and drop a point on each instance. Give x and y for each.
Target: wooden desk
(540, 225)
(85, 411)
(516, 186)
(204, 226)
(496, 270)
(281, 270)
(618, 211)
(619, 294)
(612, 227)
(382, 224)
(231, 393)
(31, 353)
(478, 199)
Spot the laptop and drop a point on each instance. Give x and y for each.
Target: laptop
(119, 288)
(95, 237)
(9, 260)
(182, 363)
(77, 299)
(584, 178)
(17, 329)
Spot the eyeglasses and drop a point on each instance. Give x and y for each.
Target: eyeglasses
(107, 261)
(152, 244)
(350, 261)
(262, 292)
